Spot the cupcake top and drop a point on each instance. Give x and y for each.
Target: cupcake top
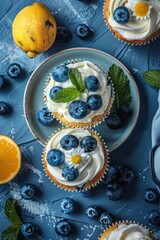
(134, 19)
(87, 95)
(74, 156)
(129, 232)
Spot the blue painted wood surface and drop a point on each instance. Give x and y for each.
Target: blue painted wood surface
(134, 152)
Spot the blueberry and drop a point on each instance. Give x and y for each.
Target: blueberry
(124, 112)
(88, 143)
(63, 34)
(93, 212)
(14, 70)
(55, 157)
(28, 229)
(60, 74)
(126, 177)
(121, 15)
(63, 228)
(45, 117)
(68, 142)
(1, 81)
(151, 195)
(4, 108)
(70, 174)
(154, 217)
(78, 109)
(54, 91)
(68, 205)
(28, 191)
(94, 102)
(114, 191)
(87, 192)
(114, 121)
(110, 176)
(156, 233)
(83, 31)
(106, 219)
(92, 83)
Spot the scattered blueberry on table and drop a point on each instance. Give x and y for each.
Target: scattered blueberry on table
(154, 217)
(28, 229)
(4, 108)
(28, 191)
(151, 195)
(63, 228)
(114, 192)
(68, 205)
(63, 34)
(106, 219)
(114, 121)
(93, 212)
(14, 70)
(45, 117)
(83, 31)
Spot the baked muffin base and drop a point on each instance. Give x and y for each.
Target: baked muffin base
(106, 14)
(89, 184)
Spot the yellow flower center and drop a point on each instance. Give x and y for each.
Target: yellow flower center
(76, 159)
(141, 9)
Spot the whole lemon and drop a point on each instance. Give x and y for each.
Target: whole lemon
(34, 29)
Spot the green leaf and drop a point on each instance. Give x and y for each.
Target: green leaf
(121, 87)
(11, 233)
(76, 79)
(66, 95)
(11, 212)
(152, 77)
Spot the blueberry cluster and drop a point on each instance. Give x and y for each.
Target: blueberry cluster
(115, 180)
(78, 109)
(14, 71)
(56, 157)
(116, 119)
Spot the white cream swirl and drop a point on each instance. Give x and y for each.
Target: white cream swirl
(129, 232)
(86, 68)
(136, 29)
(88, 170)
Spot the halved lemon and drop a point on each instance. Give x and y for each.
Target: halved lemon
(10, 159)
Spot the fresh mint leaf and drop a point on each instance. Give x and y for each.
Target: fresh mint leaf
(121, 86)
(11, 212)
(66, 95)
(152, 77)
(76, 79)
(11, 233)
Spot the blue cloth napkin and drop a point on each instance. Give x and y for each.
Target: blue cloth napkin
(156, 125)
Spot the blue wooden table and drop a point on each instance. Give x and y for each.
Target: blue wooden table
(134, 152)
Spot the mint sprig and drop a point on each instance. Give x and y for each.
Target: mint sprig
(71, 93)
(121, 86)
(152, 77)
(66, 95)
(76, 79)
(11, 233)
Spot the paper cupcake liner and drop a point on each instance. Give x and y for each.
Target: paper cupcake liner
(151, 38)
(116, 224)
(96, 120)
(91, 184)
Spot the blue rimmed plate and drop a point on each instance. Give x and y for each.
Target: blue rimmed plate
(33, 97)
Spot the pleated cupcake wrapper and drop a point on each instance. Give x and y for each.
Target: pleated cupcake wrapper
(88, 125)
(123, 41)
(77, 189)
(124, 222)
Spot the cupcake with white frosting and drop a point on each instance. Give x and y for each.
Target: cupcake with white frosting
(133, 21)
(127, 231)
(78, 94)
(75, 159)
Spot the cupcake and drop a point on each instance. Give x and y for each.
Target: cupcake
(133, 21)
(127, 230)
(78, 94)
(75, 159)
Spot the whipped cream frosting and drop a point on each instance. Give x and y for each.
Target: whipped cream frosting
(88, 170)
(136, 29)
(129, 232)
(86, 68)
